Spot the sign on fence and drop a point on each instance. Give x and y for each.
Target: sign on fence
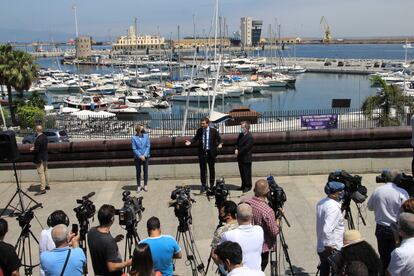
(319, 121)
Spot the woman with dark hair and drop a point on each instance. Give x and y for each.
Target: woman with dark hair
(142, 264)
(355, 249)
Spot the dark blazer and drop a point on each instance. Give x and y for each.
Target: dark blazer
(245, 146)
(40, 149)
(214, 140)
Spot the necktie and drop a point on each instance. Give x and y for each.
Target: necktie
(205, 139)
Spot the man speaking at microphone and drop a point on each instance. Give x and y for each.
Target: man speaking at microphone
(209, 141)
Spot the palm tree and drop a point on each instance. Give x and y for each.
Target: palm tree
(390, 97)
(17, 70)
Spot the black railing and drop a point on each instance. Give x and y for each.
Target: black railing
(171, 124)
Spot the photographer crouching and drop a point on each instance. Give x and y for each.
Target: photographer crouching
(386, 202)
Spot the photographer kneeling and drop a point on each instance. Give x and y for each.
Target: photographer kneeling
(106, 259)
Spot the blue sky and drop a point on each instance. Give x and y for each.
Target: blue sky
(38, 19)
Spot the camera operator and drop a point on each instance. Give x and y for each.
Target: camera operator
(264, 216)
(329, 224)
(106, 259)
(402, 258)
(228, 216)
(64, 259)
(386, 202)
(46, 242)
(9, 261)
(164, 248)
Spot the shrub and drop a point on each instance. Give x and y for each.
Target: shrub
(29, 116)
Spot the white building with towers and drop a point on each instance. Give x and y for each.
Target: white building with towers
(246, 31)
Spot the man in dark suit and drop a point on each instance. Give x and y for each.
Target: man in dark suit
(243, 152)
(209, 141)
(40, 159)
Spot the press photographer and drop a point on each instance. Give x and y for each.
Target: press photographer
(403, 181)
(219, 191)
(386, 202)
(264, 216)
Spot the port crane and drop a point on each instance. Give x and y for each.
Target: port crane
(327, 38)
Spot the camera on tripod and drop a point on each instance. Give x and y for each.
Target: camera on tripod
(402, 180)
(131, 212)
(353, 187)
(182, 203)
(26, 217)
(219, 191)
(276, 196)
(86, 209)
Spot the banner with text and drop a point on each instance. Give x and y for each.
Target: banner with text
(319, 121)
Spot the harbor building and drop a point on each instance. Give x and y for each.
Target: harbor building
(256, 31)
(187, 43)
(83, 47)
(133, 42)
(246, 31)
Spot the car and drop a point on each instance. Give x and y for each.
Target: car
(53, 136)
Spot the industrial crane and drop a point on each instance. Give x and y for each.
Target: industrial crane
(327, 38)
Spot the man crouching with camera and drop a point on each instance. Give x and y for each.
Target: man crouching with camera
(106, 259)
(329, 225)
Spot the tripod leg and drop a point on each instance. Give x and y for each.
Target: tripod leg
(273, 263)
(285, 250)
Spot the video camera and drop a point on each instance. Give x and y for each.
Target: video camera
(25, 217)
(182, 203)
(219, 191)
(403, 181)
(131, 212)
(276, 196)
(86, 209)
(353, 187)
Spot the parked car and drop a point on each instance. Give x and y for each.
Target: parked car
(53, 136)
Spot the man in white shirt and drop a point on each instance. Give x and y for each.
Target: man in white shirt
(329, 224)
(402, 258)
(386, 202)
(229, 256)
(249, 237)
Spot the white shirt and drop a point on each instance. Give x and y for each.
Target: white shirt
(329, 224)
(402, 259)
(412, 130)
(386, 202)
(250, 238)
(46, 243)
(245, 271)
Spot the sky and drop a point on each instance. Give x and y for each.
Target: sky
(53, 20)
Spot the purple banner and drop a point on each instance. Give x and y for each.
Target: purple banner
(319, 121)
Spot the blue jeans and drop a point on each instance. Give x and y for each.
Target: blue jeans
(386, 244)
(144, 164)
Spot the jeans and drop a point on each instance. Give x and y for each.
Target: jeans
(43, 174)
(144, 164)
(386, 244)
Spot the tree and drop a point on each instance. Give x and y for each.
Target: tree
(29, 116)
(17, 70)
(388, 98)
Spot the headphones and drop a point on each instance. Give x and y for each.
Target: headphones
(57, 217)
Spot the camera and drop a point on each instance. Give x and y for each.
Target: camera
(25, 217)
(131, 212)
(353, 187)
(219, 191)
(86, 209)
(182, 203)
(402, 180)
(276, 196)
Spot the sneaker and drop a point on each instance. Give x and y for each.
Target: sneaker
(145, 188)
(139, 189)
(47, 187)
(41, 192)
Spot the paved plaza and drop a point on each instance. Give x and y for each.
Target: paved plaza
(303, 192)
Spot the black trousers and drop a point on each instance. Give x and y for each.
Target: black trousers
(206, 158)
(265, 259)
(412, 164)
(386, 244)
(245, 170)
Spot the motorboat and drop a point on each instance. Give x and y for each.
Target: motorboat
(86, 102)
(105, 89)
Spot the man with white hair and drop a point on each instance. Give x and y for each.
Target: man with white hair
(402, 258)
(249, 237)
(386, 202)
(64, 259)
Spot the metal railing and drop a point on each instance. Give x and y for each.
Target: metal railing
(171, 124)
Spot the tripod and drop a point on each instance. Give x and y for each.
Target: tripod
(84, 228)
(348, 214)
(209, 258)
(131, 240)
(19, 208)
(283, 245)
(191, 251)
